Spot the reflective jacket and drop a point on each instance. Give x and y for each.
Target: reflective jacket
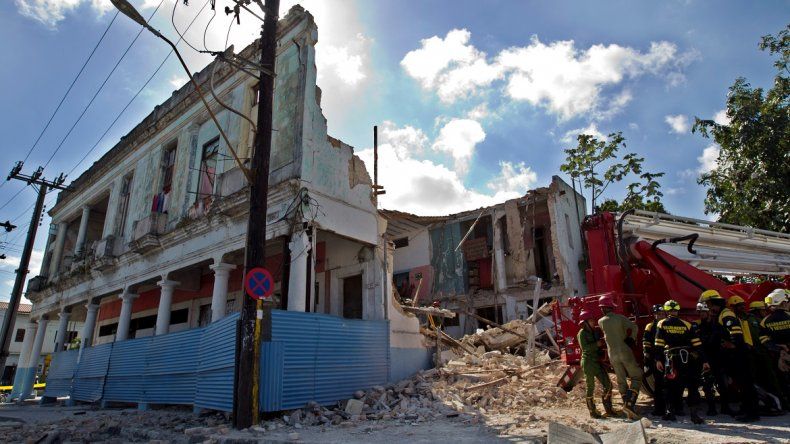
(732, 331)
(673, 333)
(775, 328)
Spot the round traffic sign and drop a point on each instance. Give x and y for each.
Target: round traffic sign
(259, 284)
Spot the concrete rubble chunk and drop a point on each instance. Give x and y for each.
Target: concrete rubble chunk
(632, 433)
(562, 434)
(354, 407)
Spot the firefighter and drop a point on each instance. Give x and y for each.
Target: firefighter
(590, 343)
(733, 353)
(775, 336)
(708, 377)
(620, 335)
(651, 355)
(679, 339)
(712, 335)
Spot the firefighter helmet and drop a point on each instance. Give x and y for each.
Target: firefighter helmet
(776, 297)
(757, 305)
(735, 300)
(708, 295)
(702, 306)
(657, 308)
(671, 305)
(606, 301)
(585, 315)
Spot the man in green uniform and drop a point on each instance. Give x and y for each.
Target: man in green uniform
(588, 340)
(679, 339)
(651, 355)
(620, 334)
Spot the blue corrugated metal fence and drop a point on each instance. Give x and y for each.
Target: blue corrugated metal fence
(60, 374)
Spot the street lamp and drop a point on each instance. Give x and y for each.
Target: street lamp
(128, 10)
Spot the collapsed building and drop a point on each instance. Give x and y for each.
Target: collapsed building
(489, 261)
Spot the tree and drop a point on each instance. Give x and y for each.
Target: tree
(751, 182)
(584, 163)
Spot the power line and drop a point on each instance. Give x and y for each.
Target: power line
(106, 79)
(158, 68)
(62, 99)
(13, 197)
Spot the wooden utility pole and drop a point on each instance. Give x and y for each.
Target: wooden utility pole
(245, 403)
(21, 273)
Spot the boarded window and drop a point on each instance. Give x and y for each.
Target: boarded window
(352, 297)
(208, 168)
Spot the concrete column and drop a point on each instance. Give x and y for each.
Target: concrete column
(83, 232)
(35, 355)
(24, 357)
(165, 302)
(499, 255)
(126, 315)
(219, 297)
(90, 324)
(62, 326)
(297, 281)
(57, 253)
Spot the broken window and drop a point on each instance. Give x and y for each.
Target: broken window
(162, 199)
(123, 205)
(208, 168)
(400, 243)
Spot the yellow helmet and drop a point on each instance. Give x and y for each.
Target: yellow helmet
(671, 305)
(735, 300)
(757, 305)
(708, 295)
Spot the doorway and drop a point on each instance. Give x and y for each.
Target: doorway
(352, 297)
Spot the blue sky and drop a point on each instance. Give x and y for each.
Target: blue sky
(475, 100)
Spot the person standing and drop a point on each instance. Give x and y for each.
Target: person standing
(620, 334)
(775, 336)
(679, 340)
(710, 345)
(590, 343)
(651, 356)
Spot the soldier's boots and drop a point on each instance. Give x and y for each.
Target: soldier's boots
(629, 404)
(594, 413)
(695, 418)
(607, 405)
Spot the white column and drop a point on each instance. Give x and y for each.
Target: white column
(165, 302)
(219, 296)
(126, 316)
(83, 232)
(24, 357)
(90, 324)
(499, 255)
(57, 253)
(297, 281)
(35, 355)
(62, 325)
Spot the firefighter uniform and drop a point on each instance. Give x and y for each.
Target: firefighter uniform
(588, 339)
(679, 339)
(734, 350)
(775, 336)
(650, 355)
(760, 362)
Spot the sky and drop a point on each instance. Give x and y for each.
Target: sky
(475, 101)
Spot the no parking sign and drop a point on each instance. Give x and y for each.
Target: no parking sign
(259, 284)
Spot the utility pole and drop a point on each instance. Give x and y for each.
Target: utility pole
(21, 273)
(245, 402)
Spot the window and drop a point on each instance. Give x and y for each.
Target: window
(179, 316)
(123, 205)
(208, 168)
(400, 243)
(204, 317)
(162, 199)
(108, 330)
(256, 94)
(20, 335)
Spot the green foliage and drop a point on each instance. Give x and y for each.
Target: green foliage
(585, 161)
(751, 182)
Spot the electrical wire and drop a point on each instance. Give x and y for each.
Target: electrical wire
(62, 99)
(139, 91)
(106, 79)
(13, 197)
(214, 14)
(181, 36)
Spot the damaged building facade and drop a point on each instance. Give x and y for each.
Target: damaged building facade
(488, 261)
(151, 241)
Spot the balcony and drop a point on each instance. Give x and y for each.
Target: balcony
(104, 253)
(145, 232)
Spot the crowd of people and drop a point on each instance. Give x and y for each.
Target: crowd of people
(737, 351)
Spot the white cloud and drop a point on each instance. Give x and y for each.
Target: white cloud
(177, 81)
(50, 12)
(479, 112)
(721, 117)
(570, 137)
(459, 137)
(707, 161)
(679, 124)
(450, 65)
(346, 63)
(11, 263)
(424, 187)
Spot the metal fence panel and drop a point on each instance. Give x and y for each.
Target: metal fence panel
(126, 372)
(171, 368)
(216, 367)
(91, 373)
(61, 373)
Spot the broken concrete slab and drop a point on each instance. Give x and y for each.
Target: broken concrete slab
(562, 434)
(633, 433)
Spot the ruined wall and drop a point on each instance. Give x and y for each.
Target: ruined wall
(449, 266)
(566, 235)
